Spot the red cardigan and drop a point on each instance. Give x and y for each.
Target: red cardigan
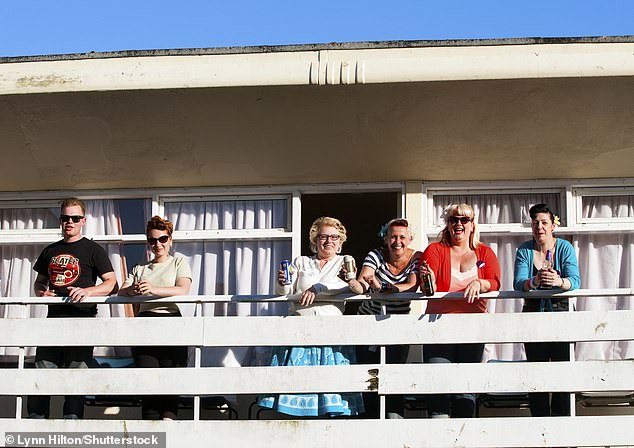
(438, 257)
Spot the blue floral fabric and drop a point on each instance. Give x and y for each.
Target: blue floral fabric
(314, 404)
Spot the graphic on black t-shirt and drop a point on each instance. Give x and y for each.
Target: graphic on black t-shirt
(63, 270)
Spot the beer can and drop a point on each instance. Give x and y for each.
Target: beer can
(348, 263)
(285, 266)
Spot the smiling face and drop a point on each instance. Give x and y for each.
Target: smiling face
(397, 240)
(542, 227)
(71, 231)
(328, 242)
(460, 228)
(159, 249)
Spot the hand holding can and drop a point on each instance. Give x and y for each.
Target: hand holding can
(286, 274)
(350, 268)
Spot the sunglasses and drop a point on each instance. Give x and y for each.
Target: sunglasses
(161, 239)
(462, 219)
(74, 218)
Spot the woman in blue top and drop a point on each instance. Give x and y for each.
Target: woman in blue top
(534, 269)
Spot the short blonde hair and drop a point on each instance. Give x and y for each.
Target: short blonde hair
(460, 210)
(313, 234)
(71, 202)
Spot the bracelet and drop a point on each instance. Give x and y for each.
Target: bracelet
(531, 283)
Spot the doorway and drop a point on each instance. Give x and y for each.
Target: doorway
(362, 214)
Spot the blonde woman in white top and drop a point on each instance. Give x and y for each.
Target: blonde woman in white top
(320, 274)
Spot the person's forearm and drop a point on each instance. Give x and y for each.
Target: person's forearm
(169, 291)
(565, 284)
(485, 285)
(356, 286)
(407, 287)
(126, 290)
(39, 289)
(102, 289)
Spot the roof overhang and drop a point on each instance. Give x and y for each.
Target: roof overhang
(318, 114)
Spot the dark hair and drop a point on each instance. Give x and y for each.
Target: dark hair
(71, 202)
(541, 208)
(158, 223)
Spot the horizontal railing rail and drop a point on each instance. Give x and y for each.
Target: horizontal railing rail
(598, 376)
(383, 379)
(321, 330)
(324, 298)
(595, 431)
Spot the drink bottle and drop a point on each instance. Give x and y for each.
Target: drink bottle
(547, 264)
(548, 261)
(427, 285)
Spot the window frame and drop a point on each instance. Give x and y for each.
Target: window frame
(620, 224)
(432, 189)
(230, 234)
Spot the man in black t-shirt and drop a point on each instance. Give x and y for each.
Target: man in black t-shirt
(69, 268)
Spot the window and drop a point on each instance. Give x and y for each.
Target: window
(605, 206)
(495, 211)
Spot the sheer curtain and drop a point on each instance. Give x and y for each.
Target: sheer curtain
(500, 209)
(17, 260)
(232, 267)
(103, 218)
(606, 261)
(16, 270)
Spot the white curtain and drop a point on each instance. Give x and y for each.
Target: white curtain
(496, 208)
(500, 209)
(16, 268)
(606, 261)
(103, 218)
(232, 267)
(17, 260)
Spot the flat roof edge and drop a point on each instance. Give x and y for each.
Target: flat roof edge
(323, 46)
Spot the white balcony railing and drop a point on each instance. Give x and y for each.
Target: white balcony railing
(200, 332)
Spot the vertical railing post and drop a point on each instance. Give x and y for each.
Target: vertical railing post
(197, 361)
(571, 356)
(18, 399)
(382, 361)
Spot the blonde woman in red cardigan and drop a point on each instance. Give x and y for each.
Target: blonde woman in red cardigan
(458, 262)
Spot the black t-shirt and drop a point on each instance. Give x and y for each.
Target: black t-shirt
(75, 264)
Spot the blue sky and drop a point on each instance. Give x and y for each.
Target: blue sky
(36, 27)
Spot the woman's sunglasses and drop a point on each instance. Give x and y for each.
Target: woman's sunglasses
(74, 218)
(463, 219)
(161, 239)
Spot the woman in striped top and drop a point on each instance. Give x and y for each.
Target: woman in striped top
(392, 268)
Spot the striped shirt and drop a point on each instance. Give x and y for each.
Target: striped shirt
(376, 260)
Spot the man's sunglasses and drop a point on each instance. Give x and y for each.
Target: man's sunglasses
(463, 219)
(74, 218)
(161, 239)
